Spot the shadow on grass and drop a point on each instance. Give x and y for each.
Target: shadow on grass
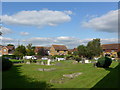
(111, 80)
(13, 79)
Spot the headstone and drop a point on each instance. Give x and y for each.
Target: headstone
(48, 62)
(42, 63)
(27, 62)
(86, 61)
(37, 63)
(75, 62)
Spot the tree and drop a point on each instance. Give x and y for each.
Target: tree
(118, 53)
(30, 50)
(82, 51)
(94, 48)
(41, 51)
(20, 51)
(10, 45)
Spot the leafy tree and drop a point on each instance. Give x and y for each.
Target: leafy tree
(94, 48)
(82, 51)
(41, 51)
(10, 45)
(118, 53)
(30, 50)
(20, 51)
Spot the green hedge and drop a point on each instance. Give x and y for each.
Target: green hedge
(16, 61)
(9, 56)
(6, 64)
(104, 62)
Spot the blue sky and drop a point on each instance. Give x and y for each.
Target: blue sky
(79, 22)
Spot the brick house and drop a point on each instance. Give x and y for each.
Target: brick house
(111, 49)
(71, 51)
(58, 50)
(7, 50)
(46, 49)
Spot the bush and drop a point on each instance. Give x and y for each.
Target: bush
(9, 56)
(16, 61)
(77, 58)
(6, 64)
(58, 56)
(104, 62)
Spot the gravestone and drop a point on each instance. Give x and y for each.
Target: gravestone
(42, 63)
(27, 62)
(58, 64)
(48, 62)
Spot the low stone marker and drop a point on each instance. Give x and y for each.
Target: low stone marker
(73, 75)
(49, 69)
(42, 63)
(75, 62)
(27, 62)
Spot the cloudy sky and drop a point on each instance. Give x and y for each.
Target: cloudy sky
(67, 23)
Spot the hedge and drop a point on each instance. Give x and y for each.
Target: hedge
(6, 64)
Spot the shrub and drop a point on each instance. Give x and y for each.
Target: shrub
(104, 62)
(16, 61)
(9, 56)
(77, 58)
(58, 56)
(6, 64)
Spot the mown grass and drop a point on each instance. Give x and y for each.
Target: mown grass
(28, 76)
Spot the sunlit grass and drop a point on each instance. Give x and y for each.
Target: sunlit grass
(29, 73)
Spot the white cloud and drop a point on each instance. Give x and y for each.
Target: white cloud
(6, 40)
(106, 23)
(5, 30)
(70, 42)
(24, 33)
(38, 18)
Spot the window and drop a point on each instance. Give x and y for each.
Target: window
(112, 50)
(4, 50)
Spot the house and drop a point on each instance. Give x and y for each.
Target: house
(111, 49)
(71, 51)
(7, 50)
(45, 49)
(58, 50)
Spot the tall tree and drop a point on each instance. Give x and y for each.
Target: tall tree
(94, 48)
(10, 45)
(20, 51)
(30, 49)
(41, 51)
(82, 50)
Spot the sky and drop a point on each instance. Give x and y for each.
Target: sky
(67, 23)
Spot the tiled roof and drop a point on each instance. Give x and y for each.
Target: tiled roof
(39, 47)
(111, 46)
(60, 47)
(72, 50)
(8, 47)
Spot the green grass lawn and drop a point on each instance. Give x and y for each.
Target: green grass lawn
(28, 76)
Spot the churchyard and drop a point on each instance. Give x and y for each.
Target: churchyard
(60, 74)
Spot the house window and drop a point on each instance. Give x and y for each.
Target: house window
(4, 50)
(112, 50)
(115, 55)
